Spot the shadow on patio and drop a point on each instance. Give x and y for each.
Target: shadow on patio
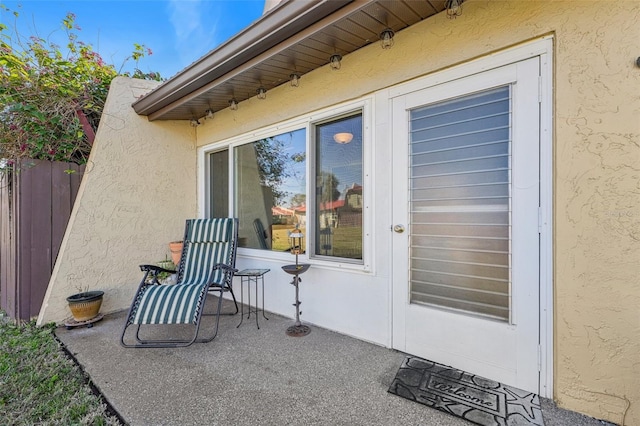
(251, 376)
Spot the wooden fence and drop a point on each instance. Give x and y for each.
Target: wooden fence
(36, 199)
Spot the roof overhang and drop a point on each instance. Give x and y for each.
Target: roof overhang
(294, 37)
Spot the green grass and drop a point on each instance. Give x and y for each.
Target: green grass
(40, 385)
(346, 241)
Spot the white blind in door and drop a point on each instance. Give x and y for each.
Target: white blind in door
(460, 156)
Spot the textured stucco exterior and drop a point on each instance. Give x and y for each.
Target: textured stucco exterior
(596, 157)
(139, 187)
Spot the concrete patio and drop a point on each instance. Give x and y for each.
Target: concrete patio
(260, 377)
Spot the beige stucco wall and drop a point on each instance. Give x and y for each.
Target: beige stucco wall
(596, 155)
(139, 187)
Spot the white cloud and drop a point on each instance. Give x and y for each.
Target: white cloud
(194, 23)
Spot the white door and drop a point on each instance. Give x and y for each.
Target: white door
(465, 211)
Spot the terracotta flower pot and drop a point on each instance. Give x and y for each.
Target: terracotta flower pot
(176, 251)
(85, 306)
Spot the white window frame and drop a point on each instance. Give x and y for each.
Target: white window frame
(307, 122)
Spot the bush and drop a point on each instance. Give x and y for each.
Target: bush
(52, 97)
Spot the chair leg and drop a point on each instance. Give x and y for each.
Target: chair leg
(217, 314)
(234, 299)
(157, 343)
(222, 291)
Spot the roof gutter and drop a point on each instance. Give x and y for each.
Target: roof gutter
(276, 26)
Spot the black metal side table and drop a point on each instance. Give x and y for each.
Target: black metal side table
(251, 276)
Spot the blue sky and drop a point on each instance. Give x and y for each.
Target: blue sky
(177, 31)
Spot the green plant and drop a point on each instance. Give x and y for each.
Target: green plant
(82, 288)
(161, 276)
(52, 97)
(40, 385)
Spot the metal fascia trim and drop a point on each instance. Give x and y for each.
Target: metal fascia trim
(266, 32)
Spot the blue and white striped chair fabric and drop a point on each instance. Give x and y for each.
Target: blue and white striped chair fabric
(169, 304)
(208, 242)
(207, 263)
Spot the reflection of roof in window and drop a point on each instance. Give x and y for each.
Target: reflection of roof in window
(282, 211)
(355, 188)
(329, 205)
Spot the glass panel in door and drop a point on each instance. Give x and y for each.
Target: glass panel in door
(460, 203)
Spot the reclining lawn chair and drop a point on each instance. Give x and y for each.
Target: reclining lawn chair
(263, 237)
(207, 265)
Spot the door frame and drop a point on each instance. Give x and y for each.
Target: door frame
(543, 48)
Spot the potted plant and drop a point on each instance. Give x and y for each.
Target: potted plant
(165, 275)
(85, 305)
(176, 251)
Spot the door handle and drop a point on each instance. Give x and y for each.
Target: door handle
(398, 228)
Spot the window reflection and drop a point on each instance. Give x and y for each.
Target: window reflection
(269, 189)
(338, 198)
(270, 186)
(219, 184)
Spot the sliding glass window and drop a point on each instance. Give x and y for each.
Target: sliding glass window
(270, 190)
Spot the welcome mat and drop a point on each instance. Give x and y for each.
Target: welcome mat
(473, 398)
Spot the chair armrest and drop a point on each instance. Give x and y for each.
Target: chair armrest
(156, 269)
(226, 268)
(228, 275)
